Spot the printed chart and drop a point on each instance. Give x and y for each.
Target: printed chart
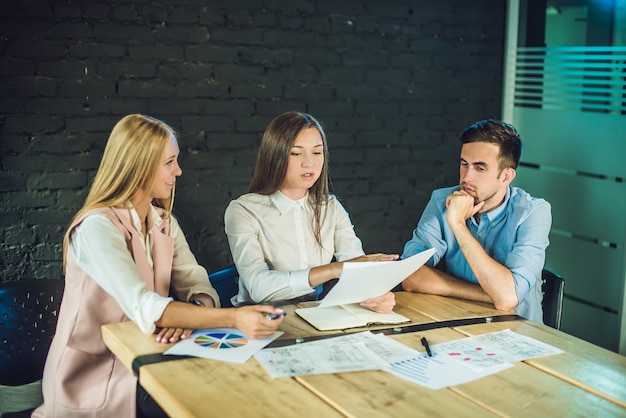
(220, 340)
(224, 344)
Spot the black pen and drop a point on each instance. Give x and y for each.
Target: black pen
(275, 315)
(426, 346)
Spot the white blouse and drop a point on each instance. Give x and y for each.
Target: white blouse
(273, 246)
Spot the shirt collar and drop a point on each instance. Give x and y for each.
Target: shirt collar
(285, 204)
(498, 212)
(153, 217)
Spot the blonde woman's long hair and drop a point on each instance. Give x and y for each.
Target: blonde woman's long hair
(129, 165)
(273, 156)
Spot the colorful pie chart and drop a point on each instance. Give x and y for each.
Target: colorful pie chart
(221, 340)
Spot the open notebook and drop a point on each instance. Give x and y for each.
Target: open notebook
(340, 308)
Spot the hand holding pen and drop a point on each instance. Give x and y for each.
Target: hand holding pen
(258, 321)
(273, 316)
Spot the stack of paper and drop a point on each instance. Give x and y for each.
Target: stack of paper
(346, 353)
(452, 363)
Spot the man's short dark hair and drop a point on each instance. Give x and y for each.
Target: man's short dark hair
(496, 132)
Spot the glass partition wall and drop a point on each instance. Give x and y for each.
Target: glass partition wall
(565, 90)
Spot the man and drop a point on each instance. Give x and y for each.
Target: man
(491, 236)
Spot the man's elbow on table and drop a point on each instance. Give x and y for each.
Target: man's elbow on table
(409, 284)
(506, 303)
(424, 281)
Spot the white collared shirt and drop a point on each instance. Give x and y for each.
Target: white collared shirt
(96, 241)
(273, 245)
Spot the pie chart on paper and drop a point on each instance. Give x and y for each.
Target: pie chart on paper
(220, 340)
(223, 344)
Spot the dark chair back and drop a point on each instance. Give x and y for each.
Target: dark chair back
(28, 318)
(226, 282)
(552, 288)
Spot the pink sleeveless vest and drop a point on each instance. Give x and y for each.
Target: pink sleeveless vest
(82, 378)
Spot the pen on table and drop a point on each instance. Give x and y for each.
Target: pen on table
(426, 346)
(275, 315)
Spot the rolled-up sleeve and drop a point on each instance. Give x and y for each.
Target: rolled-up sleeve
(100, 251)
(527, 257)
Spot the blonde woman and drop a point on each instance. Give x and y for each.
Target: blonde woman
(123, 254)
(286, 231)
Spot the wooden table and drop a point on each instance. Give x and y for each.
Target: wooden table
(585, 381)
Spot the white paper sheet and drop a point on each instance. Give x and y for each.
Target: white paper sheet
(298, 360)
(390, 350)
(439, 371)
(488, 350)
(386, 348)
(361, 281)
(346, 353)
(225, 344)
(466, 359)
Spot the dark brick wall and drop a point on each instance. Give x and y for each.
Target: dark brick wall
(393, 82)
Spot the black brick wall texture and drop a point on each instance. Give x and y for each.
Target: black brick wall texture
(393, 82)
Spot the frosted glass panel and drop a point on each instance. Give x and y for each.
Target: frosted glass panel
(591, 324)
(591, 272)
(586, 142)
(586, 206)
(587, 78)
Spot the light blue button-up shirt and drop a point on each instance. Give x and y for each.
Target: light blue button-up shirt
(515, 234)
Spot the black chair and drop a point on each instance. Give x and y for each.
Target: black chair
(226, 282)
(28, 317)
(552, 289)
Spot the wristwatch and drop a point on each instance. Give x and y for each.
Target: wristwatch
(196, 302)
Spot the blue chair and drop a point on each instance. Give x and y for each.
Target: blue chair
(28, 315)
(552, 288)
(226, 282)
